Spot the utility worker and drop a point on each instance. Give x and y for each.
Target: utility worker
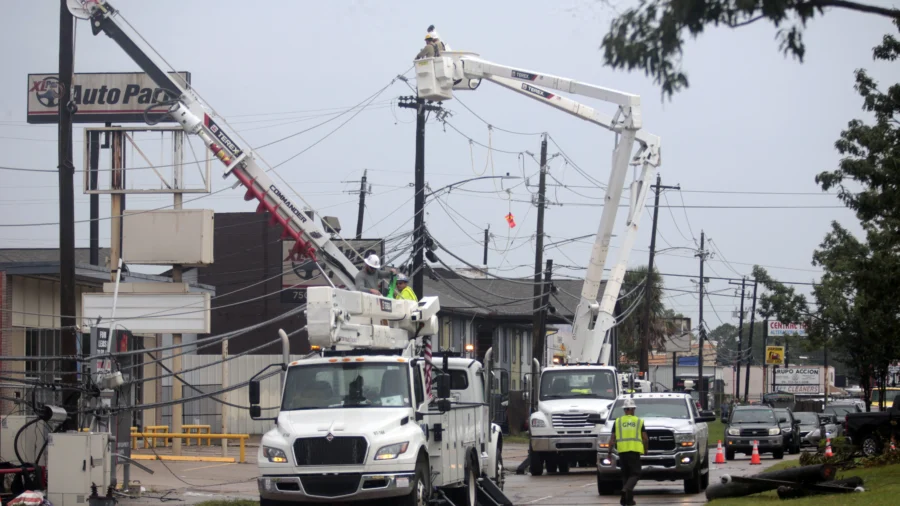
(433, 45)
(404, 291)
(629, 438)
(369, 278)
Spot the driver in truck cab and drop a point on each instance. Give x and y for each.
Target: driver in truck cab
(369, 278)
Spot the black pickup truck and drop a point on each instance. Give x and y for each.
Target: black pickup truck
(871, 431)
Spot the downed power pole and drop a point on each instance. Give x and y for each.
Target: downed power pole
(762, 482)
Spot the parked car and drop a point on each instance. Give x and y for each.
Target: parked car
(810, 427)
(870, 431)
(790, 430)
(841, 409)
(754, 423)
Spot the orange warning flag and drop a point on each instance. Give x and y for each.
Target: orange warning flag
(511, 220)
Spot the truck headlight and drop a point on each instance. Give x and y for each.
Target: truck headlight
(685, 440)
(537, 422)
(603, 442)
(775, 431)
(274, 454)
(734, 431)
(391, 452)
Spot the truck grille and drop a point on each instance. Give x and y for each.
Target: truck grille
(661, 440)
(571, 421)
(754, 432)
(319, 451)
(331, 485)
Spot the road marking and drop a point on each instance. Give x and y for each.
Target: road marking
(536, 500)
(207, 467)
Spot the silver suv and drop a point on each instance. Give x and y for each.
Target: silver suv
(678, 437)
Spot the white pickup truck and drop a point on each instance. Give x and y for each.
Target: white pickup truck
(561, 435)
(678, 437)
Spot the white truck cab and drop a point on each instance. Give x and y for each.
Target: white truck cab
(357, 426)
(561, 435)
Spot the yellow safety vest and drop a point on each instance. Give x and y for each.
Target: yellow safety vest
(628, 434)
(407, 294)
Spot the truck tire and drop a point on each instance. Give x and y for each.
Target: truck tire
(692, 485)
(870, 445)
(536, 466)
(704, 477)
(563, 466)
(729, 454)
(607, 487)
(421, 487)
(500, 472)
(468, 494)
(550, 462)
(778, 454)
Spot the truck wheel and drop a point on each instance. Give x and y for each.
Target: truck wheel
(704, 477)
(537, 464)
(500, 476)
(551, 464)
(870, 445)
(606, 487)
(421, 487)
(469, 493)
(692, 484)
(729, 454)
(778, 454)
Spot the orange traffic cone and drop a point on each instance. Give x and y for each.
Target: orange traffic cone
(720, 456)
(828, 448)
(893, 448)
(754, 458)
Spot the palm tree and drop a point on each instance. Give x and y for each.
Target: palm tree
(630, 329)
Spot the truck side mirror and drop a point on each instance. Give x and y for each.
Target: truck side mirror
(443, 386)
(596, 419)
(255, 411)
(253, 389)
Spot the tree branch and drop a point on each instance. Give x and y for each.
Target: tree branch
(855, 6)
(745, 23)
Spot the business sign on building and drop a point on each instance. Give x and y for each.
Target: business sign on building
(774, 355)
(777, 328)
(102, 97)
(798, 380)
(296, 277)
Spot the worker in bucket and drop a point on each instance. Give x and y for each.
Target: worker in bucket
(404, 291)
(369, 278)
(433, 45)
(630, 441)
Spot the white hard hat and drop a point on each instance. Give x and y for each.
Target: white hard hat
(629, 403)
(373, 261)
(402, 277)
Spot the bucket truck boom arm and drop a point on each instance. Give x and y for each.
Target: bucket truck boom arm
(456, 70)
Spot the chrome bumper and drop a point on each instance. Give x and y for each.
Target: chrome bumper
(584, 443)
(327, 488)
(663, 466)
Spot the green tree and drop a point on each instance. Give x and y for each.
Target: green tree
(631, 328)
(651, 36)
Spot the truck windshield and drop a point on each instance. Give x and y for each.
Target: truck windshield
(578, 383)
(346, 385)
(753, 416)
(656, 408)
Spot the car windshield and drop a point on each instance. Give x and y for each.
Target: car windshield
(346, 385)
(783, 413)
(578, 383)
(806, 418)
(655, 408)
(753, 416)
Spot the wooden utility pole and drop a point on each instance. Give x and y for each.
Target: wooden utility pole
(538, 347)
(362, 205)
(644, 362)
(66, 174)
(702, 254)
(750, 347)
(737, 391)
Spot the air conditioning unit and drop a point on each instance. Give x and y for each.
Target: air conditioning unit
(30, 441)
(77, 460)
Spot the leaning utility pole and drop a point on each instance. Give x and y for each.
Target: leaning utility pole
(644, 364)
(362, 205)
(737, 390)
(537, 342)
(750, 346)
(421, 108)
(487, 238)
(702, 254)
(66, 168)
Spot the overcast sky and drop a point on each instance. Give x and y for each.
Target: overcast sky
(752, 121)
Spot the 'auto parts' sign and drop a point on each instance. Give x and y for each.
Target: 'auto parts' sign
(120, 97)
(798, 380)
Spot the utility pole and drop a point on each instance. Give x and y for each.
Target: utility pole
(421, 108)
(362, 205)
(67, 211)
(750, 347)
(487, 238)
(644, 364)
(702, 254)
(737, 391)
(545, 303)
(537, 342)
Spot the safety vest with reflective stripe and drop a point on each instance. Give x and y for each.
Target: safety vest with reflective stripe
(628, 434)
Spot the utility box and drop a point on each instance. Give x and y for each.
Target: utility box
(30, 440)
(168, 237)
(76, 461)
(434, 78)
